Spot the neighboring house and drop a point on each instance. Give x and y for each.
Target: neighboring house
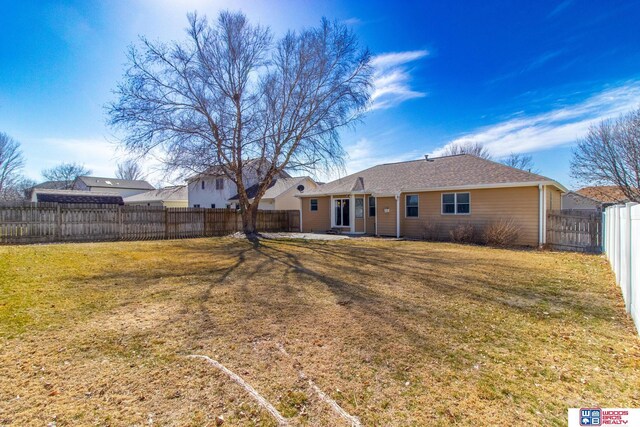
(75, 196)
(47, 185)
(607, 195)
(281, 194)
(213, 189)
(576, 201)
(122, 187)
(168, 197)
(403, 199)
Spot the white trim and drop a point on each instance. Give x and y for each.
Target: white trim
(332, 212)
(455, 203)
(398, 215)
(406, 206)
(365, 212)
(352, 213)
(447, 188)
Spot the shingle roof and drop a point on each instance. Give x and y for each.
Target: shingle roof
(77, 196)
(463, 170)
(52, 185)
(99, 182)
(176, 193)
(277, 187)
(604, 193)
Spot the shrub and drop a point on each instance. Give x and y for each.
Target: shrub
(431, 230)
(503, 232)
(463, 233)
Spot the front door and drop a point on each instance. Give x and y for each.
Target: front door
(342, 212)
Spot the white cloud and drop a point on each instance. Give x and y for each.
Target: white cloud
(365, 154)
(392, 78)
(558, 127)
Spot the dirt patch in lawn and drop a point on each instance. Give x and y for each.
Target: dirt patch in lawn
(396, 333)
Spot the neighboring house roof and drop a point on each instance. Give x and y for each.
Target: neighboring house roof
(99, 182)
(52, 185)
(604, 194)
(175, 193)
(277, 187)
(458, 171)
(77, 196)
(219, 170)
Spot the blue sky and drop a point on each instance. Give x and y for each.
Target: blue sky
(524, 77)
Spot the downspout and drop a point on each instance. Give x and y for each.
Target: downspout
(540, 215)
(301, 205)
(332, 212)
(398, 215)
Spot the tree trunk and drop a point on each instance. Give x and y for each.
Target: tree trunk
(249, 220)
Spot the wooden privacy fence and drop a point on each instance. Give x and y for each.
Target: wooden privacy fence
(575, 230)
(53, 222)
(622, 248)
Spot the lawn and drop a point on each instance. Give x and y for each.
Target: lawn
(397, 333)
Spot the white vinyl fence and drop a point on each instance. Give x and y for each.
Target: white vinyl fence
(622, 248)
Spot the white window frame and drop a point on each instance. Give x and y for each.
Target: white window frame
(221, 181)
(375, 207)
(355, 204)
(311, 205)
(455, 203)
(406, 206)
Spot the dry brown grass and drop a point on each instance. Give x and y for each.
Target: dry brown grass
(398, 333)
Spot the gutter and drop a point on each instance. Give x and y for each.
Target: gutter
(449, 188)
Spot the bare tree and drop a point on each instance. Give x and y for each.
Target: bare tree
(66, 173)
(610, 155)
(520, 161)
(11, 164)
(230, 95)
(130, 170)
(474, 148)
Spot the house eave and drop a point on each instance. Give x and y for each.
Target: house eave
(445, 188)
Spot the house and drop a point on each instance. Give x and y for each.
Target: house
(576, 201)
(168, 197)
(281, 194)
(47, 185)
(595, 198)
(45, 195)
(213, 189)
(121, 187)
(402, 199)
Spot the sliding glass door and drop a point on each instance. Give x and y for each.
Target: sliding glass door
(341, 209)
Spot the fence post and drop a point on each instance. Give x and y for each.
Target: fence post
(58, 222)
(629, 256)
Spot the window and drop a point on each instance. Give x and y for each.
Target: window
(456, 203)
(412, 206)
(196, 206)
(372, 206)
(228, 206)
(313, 205)
(219, 183)
(202, 185)
(213, 205)
(359, 208)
